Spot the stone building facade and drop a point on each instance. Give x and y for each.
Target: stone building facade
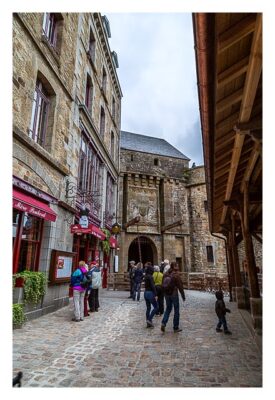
(157, 185)
(66, 128)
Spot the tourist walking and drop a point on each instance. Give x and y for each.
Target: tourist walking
(96, 281)
(171, 284)
(138, 277)
(158, 277)
(221, 310)
(131, 272)
(78, 283)
(150, 296)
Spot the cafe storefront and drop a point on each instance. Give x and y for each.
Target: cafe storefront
(31, 210)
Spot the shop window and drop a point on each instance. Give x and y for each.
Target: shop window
(42, 113)
(27, 234)
(89, 94)
(210, 254)
(52, 29)
(102, 122)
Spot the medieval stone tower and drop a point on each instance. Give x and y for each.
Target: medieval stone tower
(157, 185)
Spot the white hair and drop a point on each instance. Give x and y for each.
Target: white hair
(166, 261)
(166, 268)
(156, 268)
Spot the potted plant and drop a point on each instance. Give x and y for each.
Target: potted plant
(18, 316)
(18, 281)
(106, 243)
(34, 286)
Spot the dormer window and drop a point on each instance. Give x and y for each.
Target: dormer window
(106, 25)
(52, 29)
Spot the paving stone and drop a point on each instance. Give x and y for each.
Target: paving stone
(113, 348)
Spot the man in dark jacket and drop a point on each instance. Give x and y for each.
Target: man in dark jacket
(131, 272)
(172, 297)
(138, 277)
(221, 310)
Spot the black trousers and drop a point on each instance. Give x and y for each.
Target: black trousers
(93, 300)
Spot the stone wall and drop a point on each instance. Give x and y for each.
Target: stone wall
(200, 235)
(144, 163)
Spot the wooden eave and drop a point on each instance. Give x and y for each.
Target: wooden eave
(229, 72)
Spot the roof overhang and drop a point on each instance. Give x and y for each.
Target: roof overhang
(228, 49)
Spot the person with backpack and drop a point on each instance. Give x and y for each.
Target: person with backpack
(78, 284)
(95, 276)
(171, 284)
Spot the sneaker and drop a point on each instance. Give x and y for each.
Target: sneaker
(177, 330)
(162, 328)
(228, 332)
(149, 324)
(218, 330)
(75, 320)
(81, 319)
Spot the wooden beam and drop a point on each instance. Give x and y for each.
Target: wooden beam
(253, 73)
(251, 165)
(257, 237)
(252, 125)
(236, 32)
(233, 72)
(250, 88)
(228, 101)
(170, 226)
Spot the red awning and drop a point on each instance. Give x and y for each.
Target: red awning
(92, 229)
(113, 242)
(29, 204)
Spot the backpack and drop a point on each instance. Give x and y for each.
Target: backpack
(168, 284)
(76, 278)
(96, 279)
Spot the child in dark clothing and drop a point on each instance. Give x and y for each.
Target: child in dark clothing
(221, 310)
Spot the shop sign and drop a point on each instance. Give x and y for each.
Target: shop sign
(83, 221)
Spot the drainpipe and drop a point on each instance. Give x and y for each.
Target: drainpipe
(228, 274)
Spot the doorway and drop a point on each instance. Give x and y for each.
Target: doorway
(144, 247)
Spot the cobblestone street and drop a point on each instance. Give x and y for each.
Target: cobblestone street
(113, 348)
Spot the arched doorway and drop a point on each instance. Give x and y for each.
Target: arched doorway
(147, 248)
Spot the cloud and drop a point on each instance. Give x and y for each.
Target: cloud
(157, 74)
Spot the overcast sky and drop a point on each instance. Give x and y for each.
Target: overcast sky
(157, 74)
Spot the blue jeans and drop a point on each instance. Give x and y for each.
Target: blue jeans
(137, 287)
(222, 322)
(172, 300)
(150, 300)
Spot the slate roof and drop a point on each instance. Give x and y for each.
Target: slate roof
(149, 144)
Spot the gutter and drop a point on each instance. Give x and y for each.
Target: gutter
(204, 41)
